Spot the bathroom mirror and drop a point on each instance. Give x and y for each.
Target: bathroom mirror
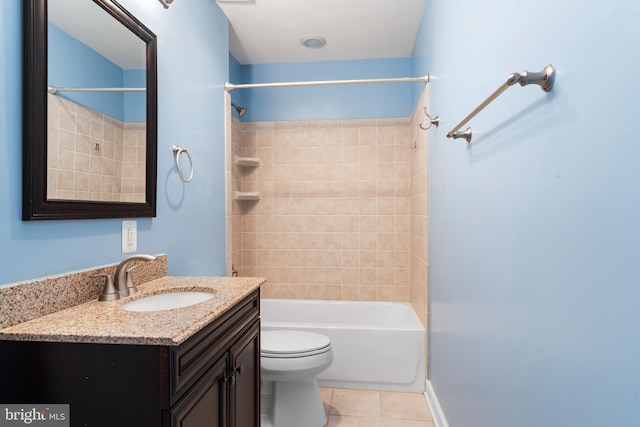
(90, 112)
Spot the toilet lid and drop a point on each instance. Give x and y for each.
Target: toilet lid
(283, 343)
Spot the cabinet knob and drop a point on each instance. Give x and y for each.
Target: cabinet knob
(234, 371)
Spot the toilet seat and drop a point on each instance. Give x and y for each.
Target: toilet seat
(288, 344)
(289, 363)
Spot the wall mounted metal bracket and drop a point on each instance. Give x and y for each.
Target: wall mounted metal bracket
(465, 134)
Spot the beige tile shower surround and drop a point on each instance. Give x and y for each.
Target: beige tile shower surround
(333, 219)
(236, 206)
(344, 210)
(419, 263)
(92, 156)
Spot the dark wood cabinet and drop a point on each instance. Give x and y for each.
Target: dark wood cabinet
(245, 362)
(229, 393)
(210, 380)
(206, 403)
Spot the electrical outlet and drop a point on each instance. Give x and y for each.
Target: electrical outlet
(129, 236)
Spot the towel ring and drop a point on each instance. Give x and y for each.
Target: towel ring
(177, 150)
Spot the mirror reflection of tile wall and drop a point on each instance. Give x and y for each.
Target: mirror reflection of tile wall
(92, 156)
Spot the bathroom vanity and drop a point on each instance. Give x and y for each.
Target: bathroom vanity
(194, 366)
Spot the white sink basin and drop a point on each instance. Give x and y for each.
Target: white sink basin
(168, 301)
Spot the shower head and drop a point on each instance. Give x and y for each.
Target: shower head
(241, 111)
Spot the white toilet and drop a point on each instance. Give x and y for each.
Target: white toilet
(290, 361)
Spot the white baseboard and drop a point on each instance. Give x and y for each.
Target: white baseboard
(434, 406)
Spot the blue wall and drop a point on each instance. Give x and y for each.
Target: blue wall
(74, 64)
(535, 226)
(190, 225)
(234, 69)
(135, 103)
(326, 102)
(235, 76)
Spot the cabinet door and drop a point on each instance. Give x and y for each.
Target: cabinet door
(245, 382)
(206, 404)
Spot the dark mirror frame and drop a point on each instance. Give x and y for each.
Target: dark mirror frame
(35, 205)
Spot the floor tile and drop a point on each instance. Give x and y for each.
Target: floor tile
(326, 394)
(390, 422)
(348, 421)
(357, 403)
(404, 406)
(367, 408)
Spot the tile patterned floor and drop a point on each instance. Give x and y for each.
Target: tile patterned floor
(365, 408)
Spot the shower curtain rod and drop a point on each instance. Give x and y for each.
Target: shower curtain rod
(53, 90)
(424, 79)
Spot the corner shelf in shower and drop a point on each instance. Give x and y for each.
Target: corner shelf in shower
(247, 195)
(252, 162)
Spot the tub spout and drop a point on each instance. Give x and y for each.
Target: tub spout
(124, 284)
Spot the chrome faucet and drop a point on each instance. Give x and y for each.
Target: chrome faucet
(124, 284)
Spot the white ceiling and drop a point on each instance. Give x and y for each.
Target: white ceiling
(269, 31)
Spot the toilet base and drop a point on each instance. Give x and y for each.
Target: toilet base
(292, 403)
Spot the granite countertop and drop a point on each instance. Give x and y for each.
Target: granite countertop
(107, 323)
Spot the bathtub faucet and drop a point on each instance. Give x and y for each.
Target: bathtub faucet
(124, 284)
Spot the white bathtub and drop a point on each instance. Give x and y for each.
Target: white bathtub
(376, 345)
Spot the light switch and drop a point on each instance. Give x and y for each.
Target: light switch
(129, 236)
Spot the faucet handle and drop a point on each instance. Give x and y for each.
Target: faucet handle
(109, 292)
(129, 281)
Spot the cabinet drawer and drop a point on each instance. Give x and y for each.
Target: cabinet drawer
(193, 357)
